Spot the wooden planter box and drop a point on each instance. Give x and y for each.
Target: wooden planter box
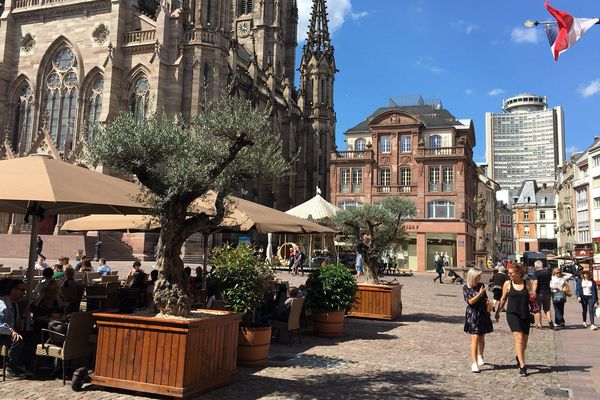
(377, 302)
(172, 357)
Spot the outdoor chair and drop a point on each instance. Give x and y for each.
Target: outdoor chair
(293, 322)
(90, 276)
(76, 344)
(110, 278)
(73, 296)
(4, 269)
(112, 296)
(95, 295)
(17, 272)
(79, 276)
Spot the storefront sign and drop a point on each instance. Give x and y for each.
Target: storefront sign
(411, 227)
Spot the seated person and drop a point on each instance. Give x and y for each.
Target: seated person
(282, 311)
(150, 287)
(80, 263)
(86, 266)
(59, 272)
(103, 268)
(47, 275)
(11, 290)
(69, 279)
(47, 306)
(136, 279)
(41, 263)
(302, 291)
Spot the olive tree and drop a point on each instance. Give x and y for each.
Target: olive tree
(227, 144)
(375, 228)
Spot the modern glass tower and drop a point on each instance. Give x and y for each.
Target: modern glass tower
(525, 142)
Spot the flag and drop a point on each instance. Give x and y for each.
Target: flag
(567, 30)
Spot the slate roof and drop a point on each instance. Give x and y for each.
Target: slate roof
(541, 196)
(430, 116)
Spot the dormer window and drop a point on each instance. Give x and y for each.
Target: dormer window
(360, 144)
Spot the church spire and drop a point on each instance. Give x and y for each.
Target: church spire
(318, 41)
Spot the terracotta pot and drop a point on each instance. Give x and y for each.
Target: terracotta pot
(328, 324)
(253, 346)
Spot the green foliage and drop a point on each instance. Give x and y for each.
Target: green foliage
(383, 222)
(242, 277)
(330, 288)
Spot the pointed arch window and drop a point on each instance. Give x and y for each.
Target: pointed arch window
(245, 7)
(94, 107)
(139, 97)
(23, 122)
(61, 95)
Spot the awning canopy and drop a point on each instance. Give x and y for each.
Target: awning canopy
(316, 208)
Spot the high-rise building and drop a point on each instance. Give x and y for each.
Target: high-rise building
(526, 142)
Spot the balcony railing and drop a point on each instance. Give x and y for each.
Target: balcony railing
(441, 187)
(349, 188)
(138, 37)
(352, 154)
(440, 151)
(394, 189)
(38, 3)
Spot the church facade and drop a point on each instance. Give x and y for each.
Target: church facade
(68, 66)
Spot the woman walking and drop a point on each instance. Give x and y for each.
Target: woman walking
(516, 292)
(587, 295)
(477, 317)
(559, 297)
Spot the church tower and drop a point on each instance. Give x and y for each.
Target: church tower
(315, 97)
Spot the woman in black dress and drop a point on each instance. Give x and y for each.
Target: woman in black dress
(516, 292)
(477, 317)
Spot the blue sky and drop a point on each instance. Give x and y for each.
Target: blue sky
(470, 54)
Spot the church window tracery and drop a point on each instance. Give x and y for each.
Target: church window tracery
(23, 122)
(61, 92)
(94, 107)
(245, 7)
(139, 97)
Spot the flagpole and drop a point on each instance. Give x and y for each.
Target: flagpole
(532, 24)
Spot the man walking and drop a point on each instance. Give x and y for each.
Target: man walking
(543, 293)
(39, 246)
(10, 292)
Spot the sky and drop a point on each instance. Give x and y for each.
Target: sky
(470, 54)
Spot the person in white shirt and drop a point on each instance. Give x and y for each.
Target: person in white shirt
(559, 298)
(587, 295)
(40, 264)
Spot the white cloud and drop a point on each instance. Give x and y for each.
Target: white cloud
(571, 149)
(471, 28)
(435, 70)
(590, 89)
(496, 92)
(462, 25)
(337, 10)
(468, 92)
(524, 35)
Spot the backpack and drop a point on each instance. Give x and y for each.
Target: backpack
(302, 258)
(54, 327)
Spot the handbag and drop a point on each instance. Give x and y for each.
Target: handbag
(567, 290)
(534, 307)
(597, 311)
(558, 296)
(57, 332)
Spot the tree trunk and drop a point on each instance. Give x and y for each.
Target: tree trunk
(370, 270)
(171, 293)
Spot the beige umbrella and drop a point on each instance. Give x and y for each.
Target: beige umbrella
(38, 185)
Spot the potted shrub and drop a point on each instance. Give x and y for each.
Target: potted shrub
(243, 279)
(331, 292)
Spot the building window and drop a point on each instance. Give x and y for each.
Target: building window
(344, 180)
(526, 231)
(597, 202)
(61, 91)
(597, 225)
(346, 204)
(360, 144)
(596, 160)
(356, 180)
(441, 179)
(583, 219)
(543, 232)
(23, 125)
(448, 179)
(385, 177)
(435, 141)
(385, 143)
(596, 182)
(583, 236)
(526, 246)
(581, 198)
(139, 97)
(525, 215)
(440, 209)
(405, 143)
(542, 214)
(94, 107)
(405, 177)
(244, 7)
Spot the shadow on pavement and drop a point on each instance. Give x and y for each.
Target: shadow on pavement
(448, 319)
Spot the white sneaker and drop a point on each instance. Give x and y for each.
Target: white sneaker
(480, 361)
(474, 367)
(593, 327)
(585, 324)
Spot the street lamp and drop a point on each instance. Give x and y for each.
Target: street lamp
(98, 246)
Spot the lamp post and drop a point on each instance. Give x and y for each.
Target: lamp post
(98, 247)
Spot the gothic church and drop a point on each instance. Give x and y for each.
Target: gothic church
(69, 65)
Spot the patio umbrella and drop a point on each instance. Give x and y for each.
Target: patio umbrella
(38, 185)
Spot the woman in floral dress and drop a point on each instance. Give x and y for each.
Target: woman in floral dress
(477, 317)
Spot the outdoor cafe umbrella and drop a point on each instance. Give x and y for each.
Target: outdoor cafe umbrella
(38, 185)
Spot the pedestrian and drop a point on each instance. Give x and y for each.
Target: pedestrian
(542, 277)
(39, 247)
(291, 257)
(559, 296)
(299, 259)
(477, 317)
(439, 269)
(358, 265)
(587, 295)
(516, 292)
(11, 291)
(498, 279)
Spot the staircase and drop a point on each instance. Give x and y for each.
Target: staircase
(113, 248)
(17, 246)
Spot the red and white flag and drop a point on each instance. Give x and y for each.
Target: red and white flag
(567, 30)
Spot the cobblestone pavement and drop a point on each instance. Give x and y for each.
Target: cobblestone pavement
(423, 355)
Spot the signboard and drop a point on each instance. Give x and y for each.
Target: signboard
(244, 239)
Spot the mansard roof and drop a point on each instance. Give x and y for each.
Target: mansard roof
(429, 116)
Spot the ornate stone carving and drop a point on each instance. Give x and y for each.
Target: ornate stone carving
(101, 34)
(27, 43)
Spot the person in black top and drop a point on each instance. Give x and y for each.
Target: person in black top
(39, 247)
(541, 284)
(498, 279)
(516, 292)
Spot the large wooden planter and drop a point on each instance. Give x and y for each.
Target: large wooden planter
(172, 357)
(253, 346)
(378, 302)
